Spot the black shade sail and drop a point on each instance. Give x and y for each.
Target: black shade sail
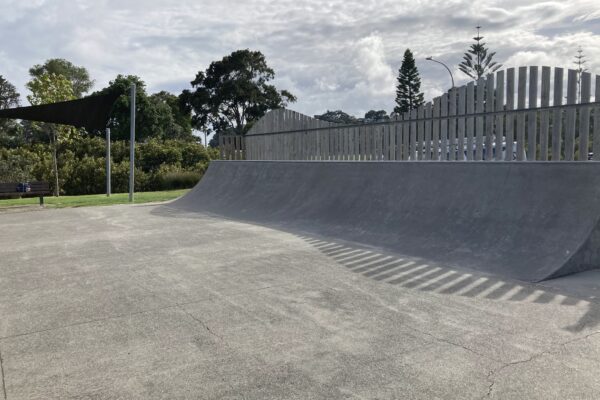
(90, 112)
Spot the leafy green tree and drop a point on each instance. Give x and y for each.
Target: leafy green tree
(178, 124)
(157, 116)
(10, 130)
(52, 88)
(408, 90)
(79, 76)
(338, 117)
(376, 116)
(477, 62)
(233, 93)
(9, 97)
(14, 167)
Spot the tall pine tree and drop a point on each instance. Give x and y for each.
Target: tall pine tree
(477, 61)
(408, 90)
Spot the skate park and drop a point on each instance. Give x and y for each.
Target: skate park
(366, 261)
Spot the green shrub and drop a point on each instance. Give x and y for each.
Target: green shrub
(160, 164)
(179, 180)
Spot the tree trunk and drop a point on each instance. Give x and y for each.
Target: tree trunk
(55, 165)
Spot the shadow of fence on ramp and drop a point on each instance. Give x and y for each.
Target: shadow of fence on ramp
(411, 273)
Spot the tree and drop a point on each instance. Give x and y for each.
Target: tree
(179, 120)
(52, 88)
(476, 61)
(338, 117)
(233, 93)
(408, 90)
(155, 114)
(9, 98)
(79, 76)
(376, 116)
(580, 61)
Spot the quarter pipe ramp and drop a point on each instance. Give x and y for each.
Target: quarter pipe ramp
(526, 221)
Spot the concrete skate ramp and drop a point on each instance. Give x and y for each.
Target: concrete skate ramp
(526, 221)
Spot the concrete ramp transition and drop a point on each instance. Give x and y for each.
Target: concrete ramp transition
(526, 221)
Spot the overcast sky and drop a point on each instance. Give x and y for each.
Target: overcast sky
(338, 54)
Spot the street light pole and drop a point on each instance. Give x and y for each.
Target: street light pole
(445, 66)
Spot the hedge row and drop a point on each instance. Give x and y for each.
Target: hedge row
(160, 165)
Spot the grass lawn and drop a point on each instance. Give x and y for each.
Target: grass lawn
(94, 199)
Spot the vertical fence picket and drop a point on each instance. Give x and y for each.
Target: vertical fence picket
(386, 142)
(544, 115)
(584, 116)
(420, 132)
(427, 136)
(571, 121)
(499, 131)
(357, 143)
(377, 130)
(341, 143)
(460, 149)
(479, 122)
(399, 139)
(338, 146)
(489, 119)
(470, 120)
(406, 136)
(377, 138)
(350, 144)
(557, 115)
(521, 93)
(510, 119)
(596, 139)
(347, 135)
(392, 135)
(374, 133)
(413, 134)
(435, 140)
(452, 125)
(444, 127)
(532, 116)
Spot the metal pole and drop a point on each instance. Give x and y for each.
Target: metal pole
(445, 66)
(132, 143)
(107, 162)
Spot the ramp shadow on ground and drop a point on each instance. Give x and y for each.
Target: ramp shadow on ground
(417, 274)
(412, 273)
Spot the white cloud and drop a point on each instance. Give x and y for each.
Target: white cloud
(377, 75)
(339, 54)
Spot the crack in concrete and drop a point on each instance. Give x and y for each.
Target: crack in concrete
(493, 372)
(89, 321)
(2, 376)
(204, 325)
(460, 346)
(118, 316)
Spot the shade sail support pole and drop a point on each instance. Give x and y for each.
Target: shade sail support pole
(108, 189)
(132, 144)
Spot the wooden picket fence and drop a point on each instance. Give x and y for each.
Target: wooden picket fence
(517, 114)
(232, 147)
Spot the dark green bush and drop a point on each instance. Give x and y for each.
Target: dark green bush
(179, 180)
(160, 165)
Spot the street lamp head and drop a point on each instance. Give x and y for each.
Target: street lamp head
(429, 58)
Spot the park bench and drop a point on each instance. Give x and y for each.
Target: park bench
(25, 189)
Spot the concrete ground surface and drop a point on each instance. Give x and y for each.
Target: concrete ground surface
(146, 302)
